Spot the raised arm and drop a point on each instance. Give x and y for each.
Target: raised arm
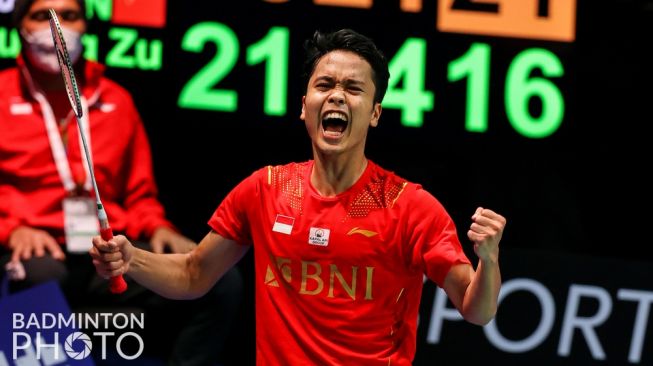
(176, 276)
(475, 293)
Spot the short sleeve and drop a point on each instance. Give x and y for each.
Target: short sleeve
(432, 238)
(231, 219)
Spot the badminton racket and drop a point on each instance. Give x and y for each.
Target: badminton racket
(117, 284)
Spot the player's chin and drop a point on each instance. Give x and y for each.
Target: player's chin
(330, 148)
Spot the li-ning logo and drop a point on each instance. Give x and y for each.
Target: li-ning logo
(367, 233)
(319, 236)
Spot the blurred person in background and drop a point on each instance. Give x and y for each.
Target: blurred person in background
(47, 205)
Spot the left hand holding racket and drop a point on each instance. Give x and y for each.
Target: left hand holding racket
(117, 284)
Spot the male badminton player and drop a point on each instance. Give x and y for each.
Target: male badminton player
(340, 244)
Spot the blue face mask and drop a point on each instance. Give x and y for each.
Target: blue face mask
(39, 48)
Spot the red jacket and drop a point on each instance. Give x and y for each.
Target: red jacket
(31, 190)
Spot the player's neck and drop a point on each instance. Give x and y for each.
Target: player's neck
(334, 175)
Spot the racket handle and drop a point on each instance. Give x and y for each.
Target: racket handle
(117, 284)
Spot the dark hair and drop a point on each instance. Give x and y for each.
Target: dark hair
(21, 7)
(348, 40)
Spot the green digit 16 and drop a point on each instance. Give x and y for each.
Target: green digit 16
(272, 49)
(520, 88)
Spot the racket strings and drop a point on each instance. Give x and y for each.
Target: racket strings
(65, 64)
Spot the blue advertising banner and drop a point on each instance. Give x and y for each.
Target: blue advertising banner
(38, 328)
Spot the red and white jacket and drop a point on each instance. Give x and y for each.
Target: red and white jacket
(31, 187)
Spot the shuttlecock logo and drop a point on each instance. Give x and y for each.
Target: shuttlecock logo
(85, 350)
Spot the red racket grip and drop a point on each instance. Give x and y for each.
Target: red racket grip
(117, 284)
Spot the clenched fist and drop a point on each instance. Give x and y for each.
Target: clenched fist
(486, 231)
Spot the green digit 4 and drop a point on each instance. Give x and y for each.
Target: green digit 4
(408, 68)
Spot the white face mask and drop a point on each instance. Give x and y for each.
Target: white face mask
(40, 48)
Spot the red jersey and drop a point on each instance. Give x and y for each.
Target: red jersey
(31, 190)
(338, 279)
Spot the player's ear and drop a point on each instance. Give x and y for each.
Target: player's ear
(376, 114)
(302, 116)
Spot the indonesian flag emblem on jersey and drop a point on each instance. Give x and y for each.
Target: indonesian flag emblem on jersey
(283, 224)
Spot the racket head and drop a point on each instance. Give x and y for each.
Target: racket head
(66, 66)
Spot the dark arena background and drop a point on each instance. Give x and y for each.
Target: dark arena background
(537, 109)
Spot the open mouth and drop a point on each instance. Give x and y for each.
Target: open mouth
(334, 124)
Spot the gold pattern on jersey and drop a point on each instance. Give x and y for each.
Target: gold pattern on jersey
(379, 193)
(289, 179)
(400, 293)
